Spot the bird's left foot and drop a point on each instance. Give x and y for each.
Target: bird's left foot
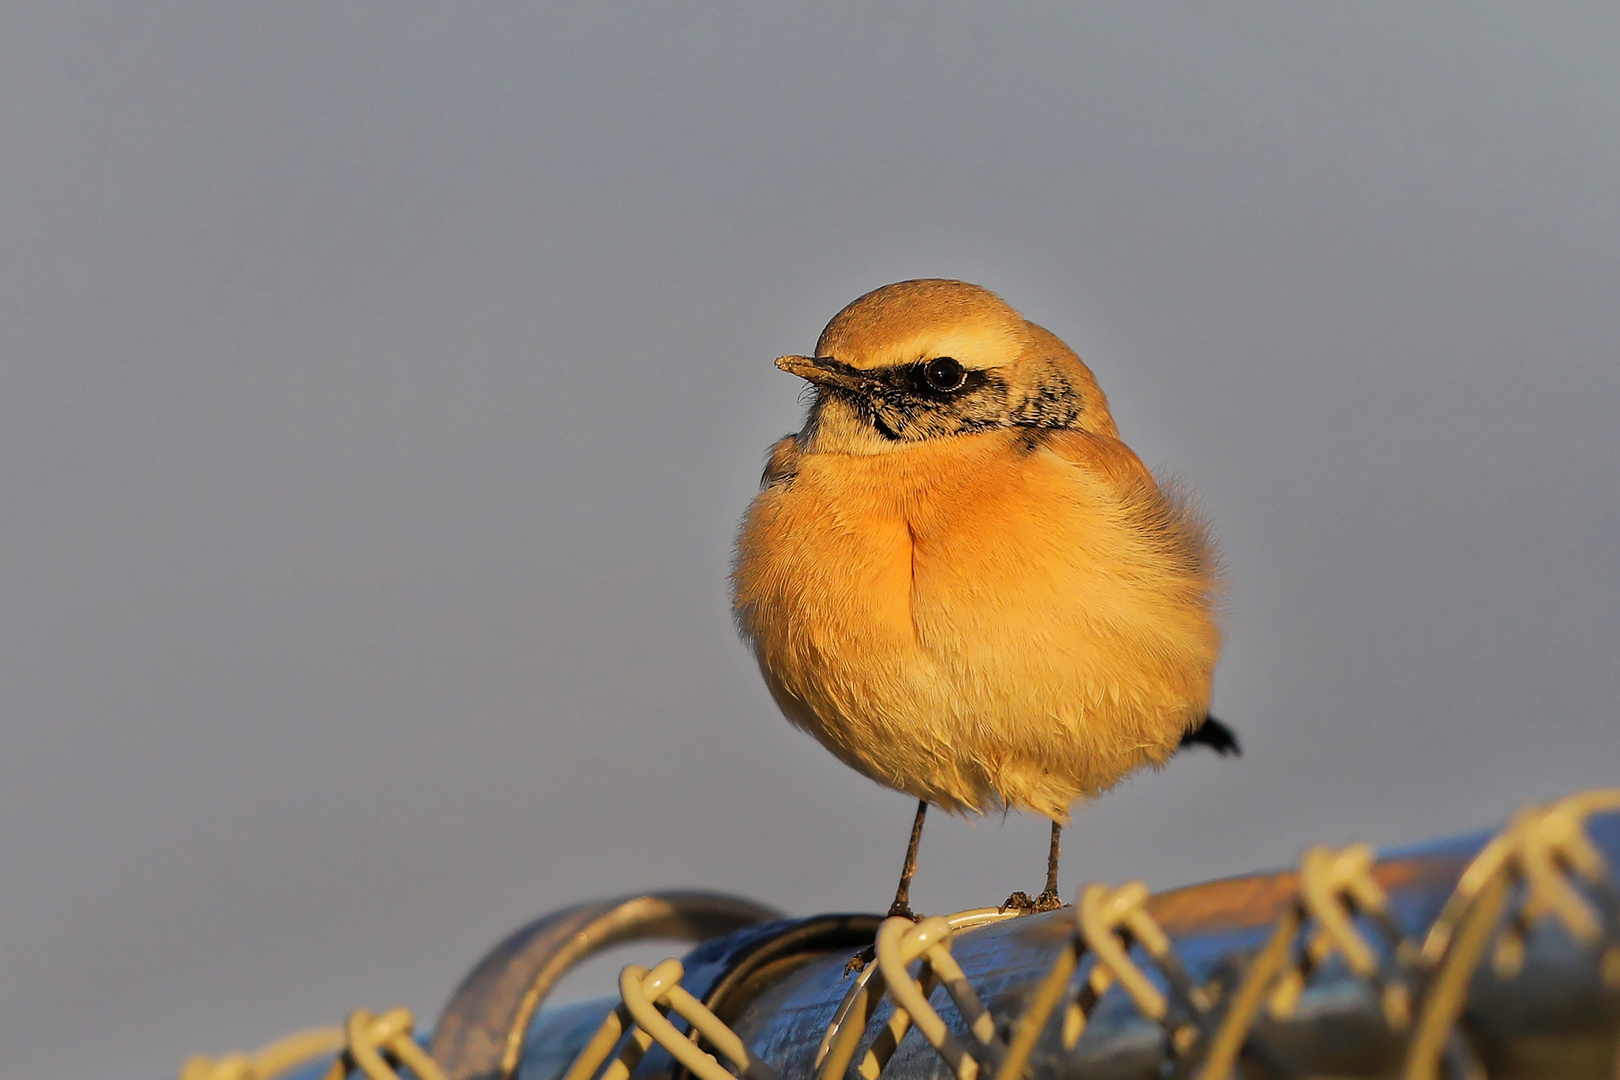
(859, 961)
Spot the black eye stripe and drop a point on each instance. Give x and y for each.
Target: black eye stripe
(939, 396)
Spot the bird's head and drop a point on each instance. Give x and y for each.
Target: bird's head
(934, 358)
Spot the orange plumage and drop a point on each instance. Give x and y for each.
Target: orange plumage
(973, 591)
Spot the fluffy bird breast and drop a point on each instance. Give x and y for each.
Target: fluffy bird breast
(1002, 619)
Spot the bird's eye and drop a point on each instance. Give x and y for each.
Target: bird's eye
(944, 374)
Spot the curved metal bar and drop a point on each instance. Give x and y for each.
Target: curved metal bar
(1556, 1012)
(479, 1035)
(726, 974)
(1558, 1005)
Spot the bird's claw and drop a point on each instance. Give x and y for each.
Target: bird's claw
(1047, 901)
(1021, 902)
(859, 961)
(870, 952)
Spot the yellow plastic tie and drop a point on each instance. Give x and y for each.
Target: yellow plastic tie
(379, 1045)
(375, 1045)
(1541, 850)
(899, 943)
(1111, 920)
(1042, 1004)
(896, 942)
(1334, 887)
(645, 995)
(267, 1063)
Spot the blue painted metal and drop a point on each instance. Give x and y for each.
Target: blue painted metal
(1555, 1018)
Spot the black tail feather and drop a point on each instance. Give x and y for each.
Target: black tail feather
(1215, 735)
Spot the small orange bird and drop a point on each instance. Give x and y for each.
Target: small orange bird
(959, 579)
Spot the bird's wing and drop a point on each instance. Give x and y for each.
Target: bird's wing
(1160, 507)
(1098, 453)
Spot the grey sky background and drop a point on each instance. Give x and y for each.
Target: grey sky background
(380, 386)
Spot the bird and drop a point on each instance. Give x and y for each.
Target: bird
(960, 580)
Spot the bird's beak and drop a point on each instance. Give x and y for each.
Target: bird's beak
(823, 371)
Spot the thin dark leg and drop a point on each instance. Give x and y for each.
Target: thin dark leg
(902, 895)
(1049, 900)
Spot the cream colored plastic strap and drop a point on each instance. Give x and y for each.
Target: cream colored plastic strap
(1042, 1004)
(1334, 886)
(1106, 916)
(866, 994)
(645, 995)
(899, 942)
(1537, 847)
(1541, 849)
(377, 1044)
(1110, 920)
(279, 1057)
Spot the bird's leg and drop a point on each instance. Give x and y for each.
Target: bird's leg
(902, 895)
(1049, 900)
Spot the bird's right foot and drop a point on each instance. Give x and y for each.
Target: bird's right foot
(1047, 901)
(1025, 904)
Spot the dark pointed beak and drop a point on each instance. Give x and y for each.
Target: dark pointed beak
(824, 371)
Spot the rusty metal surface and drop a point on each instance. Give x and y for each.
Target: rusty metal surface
(1555, 1018)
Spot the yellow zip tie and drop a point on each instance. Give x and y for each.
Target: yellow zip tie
(899, 943)
(644, 995)
(1541, 849)
(375, 1045)
(1334, 886)
(1110, 921)
(1042, 1004)
(267, 1063)
(866, 994)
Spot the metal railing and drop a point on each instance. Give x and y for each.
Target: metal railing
(1348, 966)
